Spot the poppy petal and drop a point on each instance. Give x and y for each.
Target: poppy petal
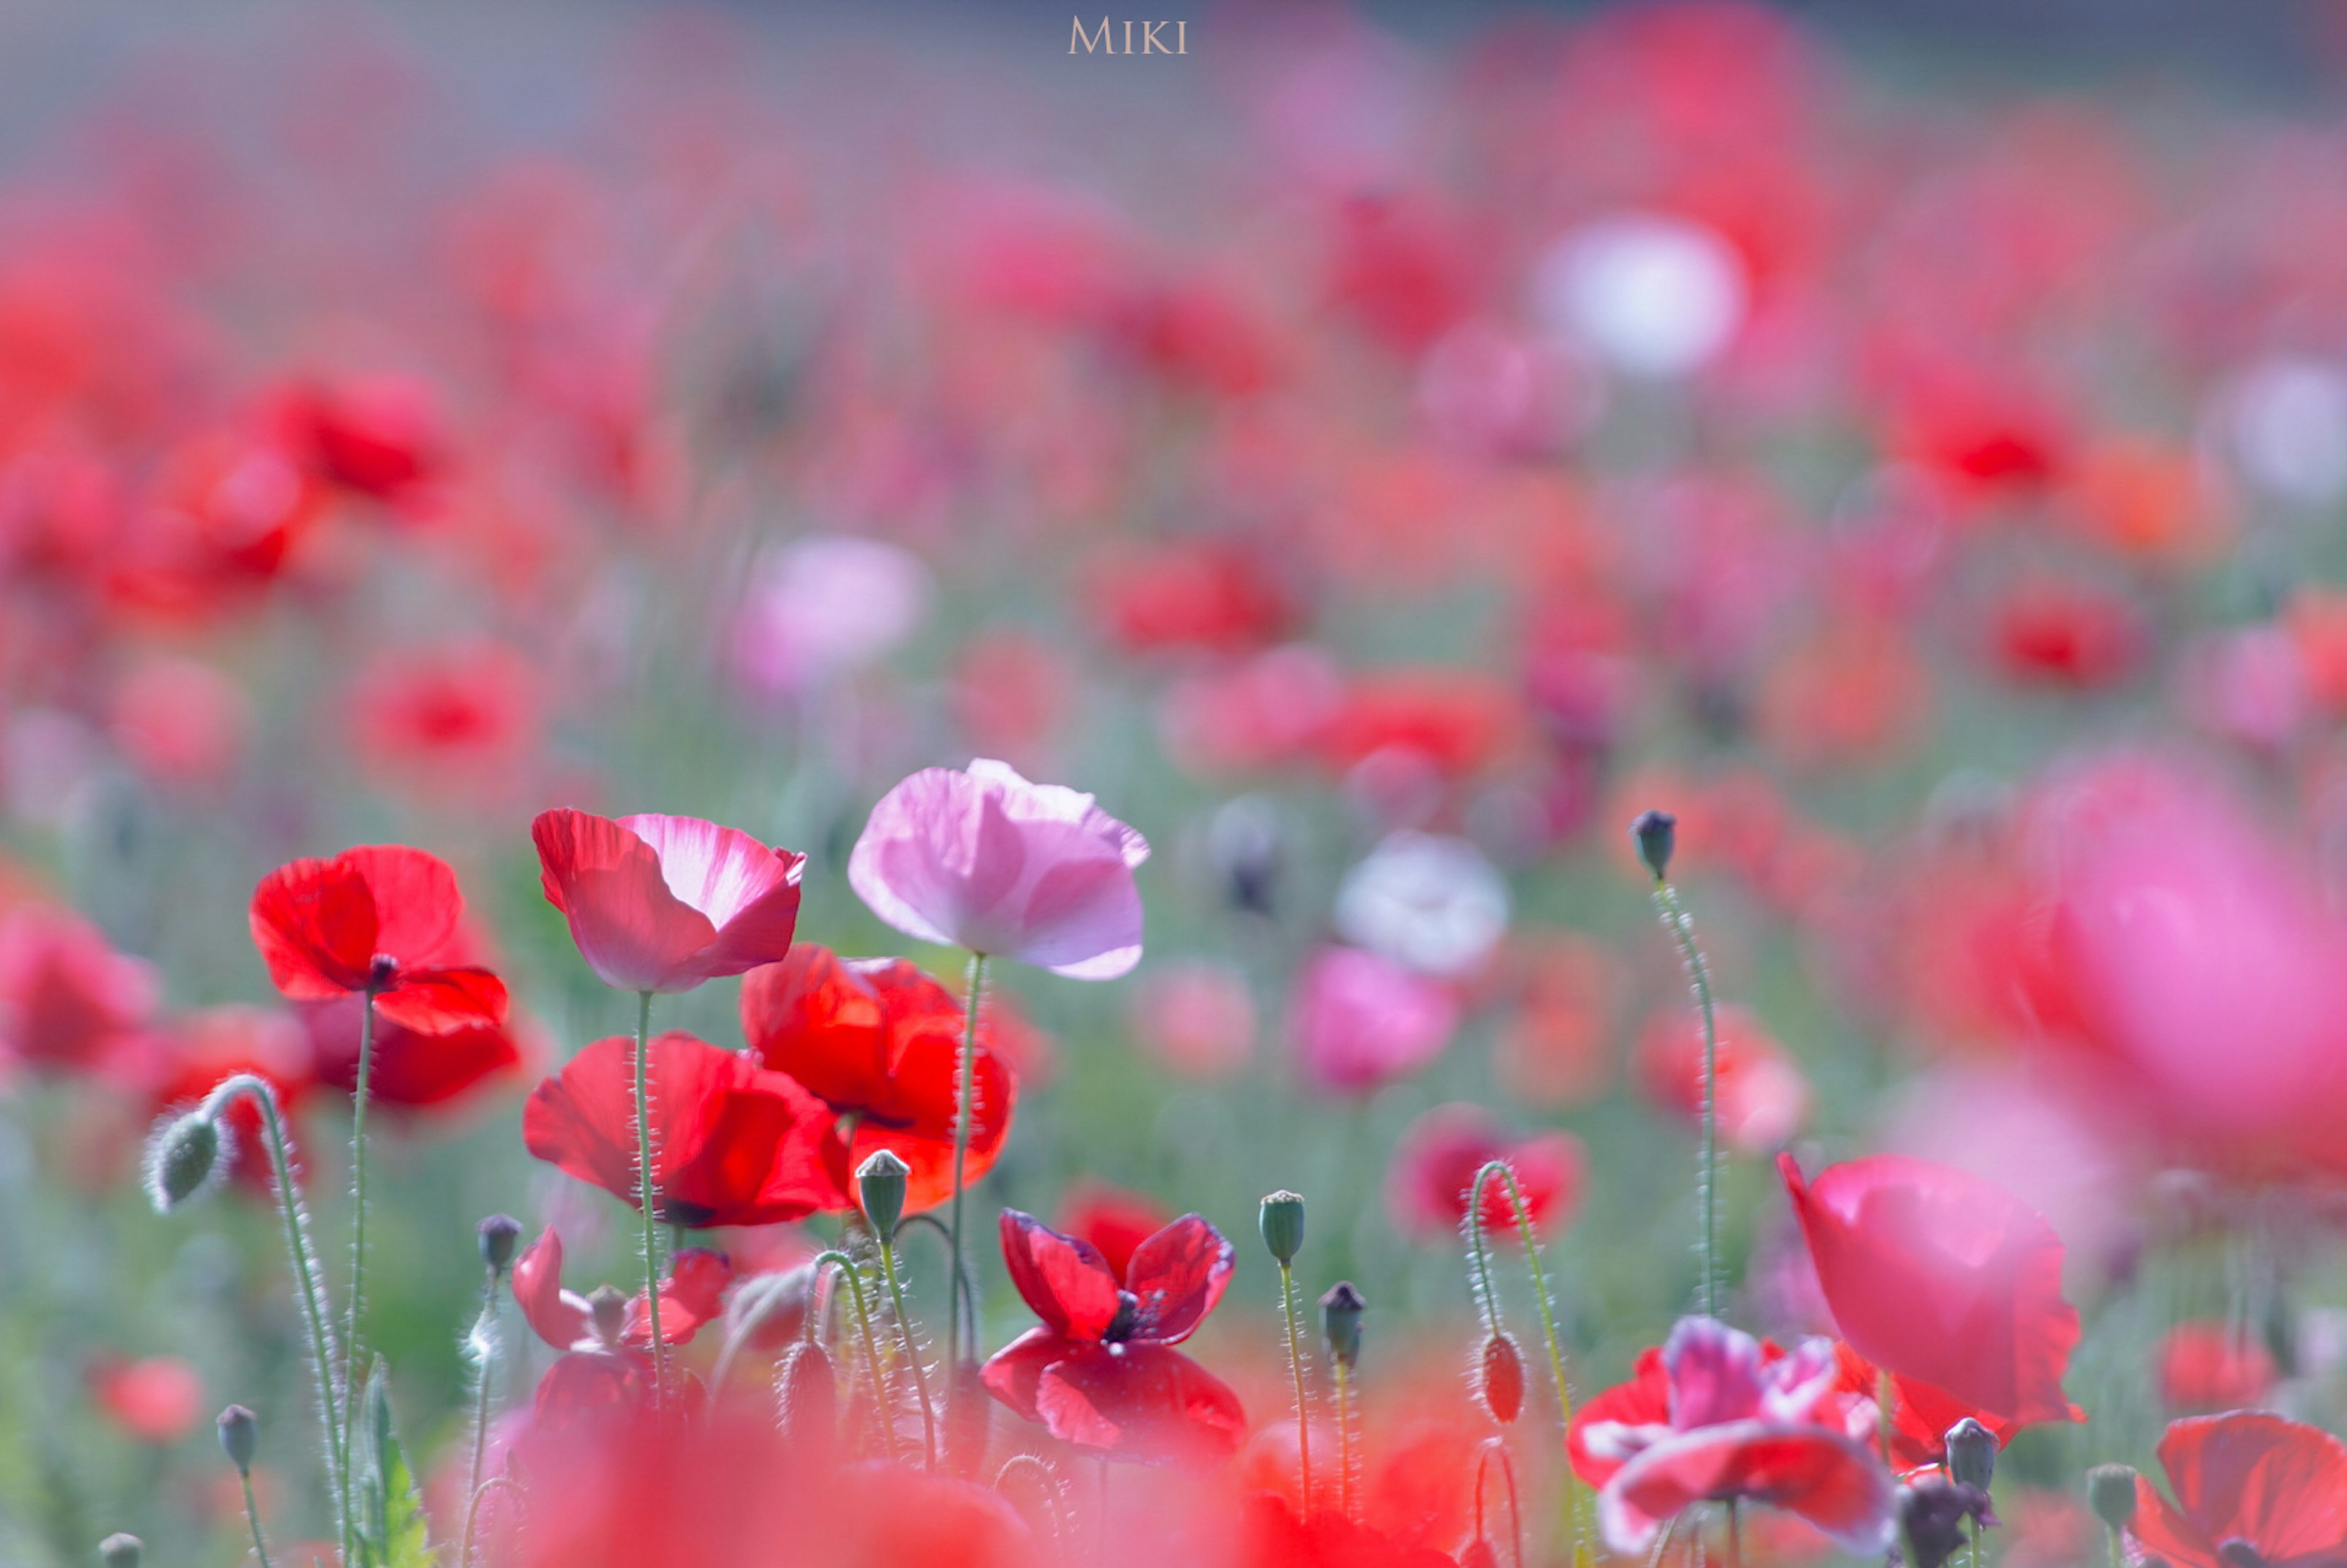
(1064, 1281)
(2278, 1484)
(437, 1000)
(1177, 1276)
(553, 1314)
(1826, 1478)
(1140, 1401)
(633, 932)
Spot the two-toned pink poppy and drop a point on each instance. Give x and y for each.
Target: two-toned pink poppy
(665, 903)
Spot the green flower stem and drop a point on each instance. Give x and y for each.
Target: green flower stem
(1047, 1486)
(1506, 1172)
(965, 1090)
(1682, 930)
(847, 1265)
(646, 1197)
(488, 1340)
(253, 1517)
(1344, 1440)
(912, 1350)
(359, 1098)
(1296, 1367)
(473, 1515)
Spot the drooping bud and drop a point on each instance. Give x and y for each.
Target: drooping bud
(606, 1309)
(1656, 833)
(239, 1434)
(806, 1399)
(1283, 1225)
(1971, 1453)
(1931, 1515)
(969, 1419)
(185, 1157)
(880, 1184)
(1340, 1321)
(2110, 1492)
(121, 1550)
(500, 1236)
(1500, 1379)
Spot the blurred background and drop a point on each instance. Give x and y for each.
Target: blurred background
(1377, 454)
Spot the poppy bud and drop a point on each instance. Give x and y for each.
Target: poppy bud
(1340, 1321)
(1656, 833)
(880, 1183)
(184, 1157)
(1283, 1225)
(1500, 1379)
(969, 1419)
(239, 1432)
(607, 1307)
(121, 1550)
(806, 1398)
(1242, 840)
(1971, 1453)
(2110, 1492)
(500, 1235)
(1931, 1515)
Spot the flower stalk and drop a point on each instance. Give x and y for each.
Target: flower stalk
(965, 1090)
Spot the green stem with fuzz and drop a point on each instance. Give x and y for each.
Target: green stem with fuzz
(912, 1350)
(1344, 1440)
(253, 1517)
(486, 1333)
(1296, 1365)
(645, 1196)
(1682, 930)
(965, 1090)
(847, 1265)
(359, 1098)
(1507, 1175)
(473, 1515)
(1047, 1486)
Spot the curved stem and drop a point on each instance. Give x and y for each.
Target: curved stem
(253, 1517)
(315, 1310)
(965, 1089)
(488, 1343)
(1296, 1365)
(912, 1350)
(1047, 1486)
(1515, 1504)
(1479, 1253)
(1531, 1241)
(960, 1266)
(847, 1265)
(1682, 929)
(646, 1198)
(473, 1515)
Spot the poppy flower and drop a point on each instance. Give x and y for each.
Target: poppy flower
(2207, 1365)
(663, 903)
(1195, 1017)
(2250, 1488)
(1274, 1536)
(1114, 1221)
(1921, 1414)
(1101, 1373)
(1440, 1153)
(1760, 1097)
(1936, 1274)
(985, 860)
(1742, 1425)
(156, 1399)
(692, 1295)
(66, 995)
(413, 1068)
(1360, 1022)
(460, 718)
(1217, 595)
(879, 1040)
(382, 918)
(734, 1144)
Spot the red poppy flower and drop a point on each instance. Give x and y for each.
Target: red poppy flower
(1921, 1414)
(663, 903)
(461, 717)
(414, 1067)
(371, 435)
(1102, 1373)
(2206, 1366)
(383, 917)
(66, 995)
(733, 1144)
(2250, 1488)
(158, 1399)
(1114, 1221)
(1436, 1162)
(879, 1040)
(1275, 1536)
(1213, 594)
(1761, 1098)
(690, 1295)
(1942, 1278)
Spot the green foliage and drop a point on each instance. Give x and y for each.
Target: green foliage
(391, 1514)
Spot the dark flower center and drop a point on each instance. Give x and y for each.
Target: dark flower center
(1128, 1316)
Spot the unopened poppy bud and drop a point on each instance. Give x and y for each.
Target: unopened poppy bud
(1340, 1321)
(500, 1236)
(239, 1434)
(2110, 1492)
(806, 1396)
(1656, 833)
(1500, 1379)
(1971, 1453)
(1283, 1225)
(880, 1183)
(607, 1307)
(183, 1158)
(121, 1550)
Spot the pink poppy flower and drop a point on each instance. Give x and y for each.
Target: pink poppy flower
(663, 903)
(1436, 1162)
(987, 861)
(1361, 1021)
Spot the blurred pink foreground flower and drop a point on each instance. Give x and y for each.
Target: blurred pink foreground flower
(985, 860)
(1361, 1021)
(663, 903)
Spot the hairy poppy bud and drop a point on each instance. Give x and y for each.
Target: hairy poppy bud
(1500, 1379)
(806, 1398)
(184, 1157)
(1971, 1453)
(238, 1433)
(500, 1235)
(1656, 833)
(1283, 1225)
(2110, 1492)
(607, 1307)
(121, 1550)
(1340, 1321)
(880, 1184)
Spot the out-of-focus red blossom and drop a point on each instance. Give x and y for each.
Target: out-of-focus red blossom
(2316, 621)
(1360, 1022)
(879, 1040)
(1462, 721)
(1760, 1098)
(2248, 1486)
(460, 718)
(2071, 634)
(2206, 1366)
(1436, 1162)
(225, 516)
(1195, 1018)
(1941, 1276)
(1852, 693)
(1553, 1044)
(156, 1399)
(691, 1294)
(665, 903)
(66, 997)
(1401, 268)
(381, 919)
(416, 1068)
(1921, 1414)
(734, 1144)
(1011, 691)
(1113, 1222)
(1263, 711)
(1101, 1373)
(2148, 502)
(180, 722)
(1274, 1536)
(1214, 595)
(373, 436)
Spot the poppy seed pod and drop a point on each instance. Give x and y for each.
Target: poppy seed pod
(1500, 1379)
(239, 1435)
(806, 1398)
(500, 1235)
(184, 1158)
(1340, 1321)
(1655, 833)
(607, 1309)
(1971, 1453)
(1931, 1515)
(2110, 1492)
(121, 1550)
(1283, 1225)
(880, 1186)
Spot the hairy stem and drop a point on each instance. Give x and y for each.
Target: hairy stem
(645, 1196)
(1344, 1440)
(1296, 1367)
(912, 1350)
(880, 1401)
(1682, 930)
(359, 1098)
(1525, 1232)
(473, 1515)
(1047, 1486)
(965, 1090)
(253, 1517)
(486, 1334)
